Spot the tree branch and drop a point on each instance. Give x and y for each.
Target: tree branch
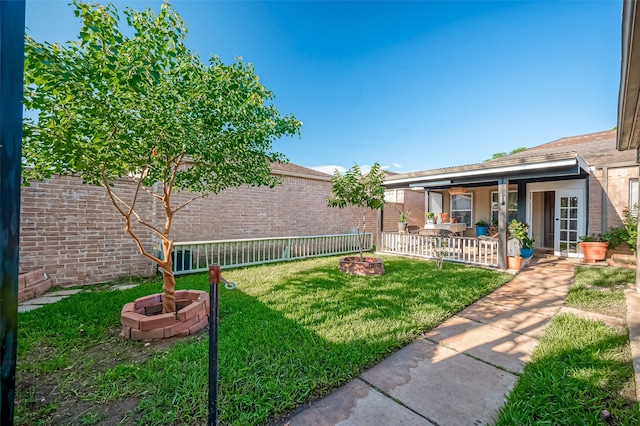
(188, 202)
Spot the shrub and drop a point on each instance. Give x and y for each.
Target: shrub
(630, 222)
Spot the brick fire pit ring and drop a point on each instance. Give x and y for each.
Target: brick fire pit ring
(369, 266)
(143, 318)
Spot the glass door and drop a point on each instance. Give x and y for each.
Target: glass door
(568, 222)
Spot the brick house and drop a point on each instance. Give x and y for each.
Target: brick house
(563, 189)
(628, 135)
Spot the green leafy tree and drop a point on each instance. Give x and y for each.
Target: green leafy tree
(145, 109)
(505, 154)
(359, 193)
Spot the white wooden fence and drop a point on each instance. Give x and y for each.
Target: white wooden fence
(196, 256)
(456, 249)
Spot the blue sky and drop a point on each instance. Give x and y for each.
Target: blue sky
(412, 85)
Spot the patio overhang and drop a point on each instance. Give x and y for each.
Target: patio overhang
(533, 168)
(629, 93)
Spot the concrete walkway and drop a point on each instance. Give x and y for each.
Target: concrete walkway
(460, 372)
(45, 299)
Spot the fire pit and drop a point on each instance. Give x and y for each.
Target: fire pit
(369, 266)
(143, 318)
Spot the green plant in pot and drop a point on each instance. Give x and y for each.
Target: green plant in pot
(402, 220)
(430, 217)
(594, 246)
(520, 232)
(481, 227)
(526, 249)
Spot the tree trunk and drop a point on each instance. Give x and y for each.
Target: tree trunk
(169, 290)
(168, 280)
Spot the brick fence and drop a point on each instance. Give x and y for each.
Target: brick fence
(73, 231)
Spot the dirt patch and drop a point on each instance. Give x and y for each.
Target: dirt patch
(64, 396)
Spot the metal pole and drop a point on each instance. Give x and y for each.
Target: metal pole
(214, 280)
(11, 75)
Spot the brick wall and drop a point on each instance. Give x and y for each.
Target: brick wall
(618, 193)
(74, 232)
(596, 198)
(611, 189)
(295, 208)
(409, 200)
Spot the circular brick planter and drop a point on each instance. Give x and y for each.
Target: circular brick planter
(143, 318)
(353, 266)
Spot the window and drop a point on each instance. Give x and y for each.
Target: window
(462, 208)
(512, 208)
(633, 196)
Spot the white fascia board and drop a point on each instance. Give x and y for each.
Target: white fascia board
(492, 171)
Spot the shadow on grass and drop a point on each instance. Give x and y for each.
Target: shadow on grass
(289, 333)
(580, 369)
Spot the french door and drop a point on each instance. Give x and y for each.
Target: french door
(568, 222)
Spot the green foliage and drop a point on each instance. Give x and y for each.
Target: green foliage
(520, 231)
(505, 154)
(403, 216)
(289, 334)
(482, 222)
(630, 221)
(614, 237)
(111, 106)
(358, 192)
(146, 109)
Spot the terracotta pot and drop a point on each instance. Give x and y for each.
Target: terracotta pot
(593, 251)
(443, 217)
(514, 262)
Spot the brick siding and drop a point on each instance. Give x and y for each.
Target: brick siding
(411, 201)
(75, 233)
(614, 191)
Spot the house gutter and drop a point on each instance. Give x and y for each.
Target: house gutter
(300, 175)
(629, 91)
(445, 178)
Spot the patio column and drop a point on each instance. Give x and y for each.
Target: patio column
(503, 198)
(11, 75)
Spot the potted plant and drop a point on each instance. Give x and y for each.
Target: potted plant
(402, 221)
(430, 217)
(520, 232)
(526, 249)
(594, 246)
(481, 227)
(514, 262)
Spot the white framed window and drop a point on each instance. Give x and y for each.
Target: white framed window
(512, 207)
(462, 208)
(633, 195)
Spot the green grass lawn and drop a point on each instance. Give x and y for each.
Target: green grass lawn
(581, 367)
(289, 333)
(601, 290)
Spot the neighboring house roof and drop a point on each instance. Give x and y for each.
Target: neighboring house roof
(567, 157)
(597, 149)
(290, 169)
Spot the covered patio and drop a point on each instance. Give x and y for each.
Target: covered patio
(549, 191)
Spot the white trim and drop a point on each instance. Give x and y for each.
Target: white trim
(495, 170)
(471, 210)
(566, 185)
